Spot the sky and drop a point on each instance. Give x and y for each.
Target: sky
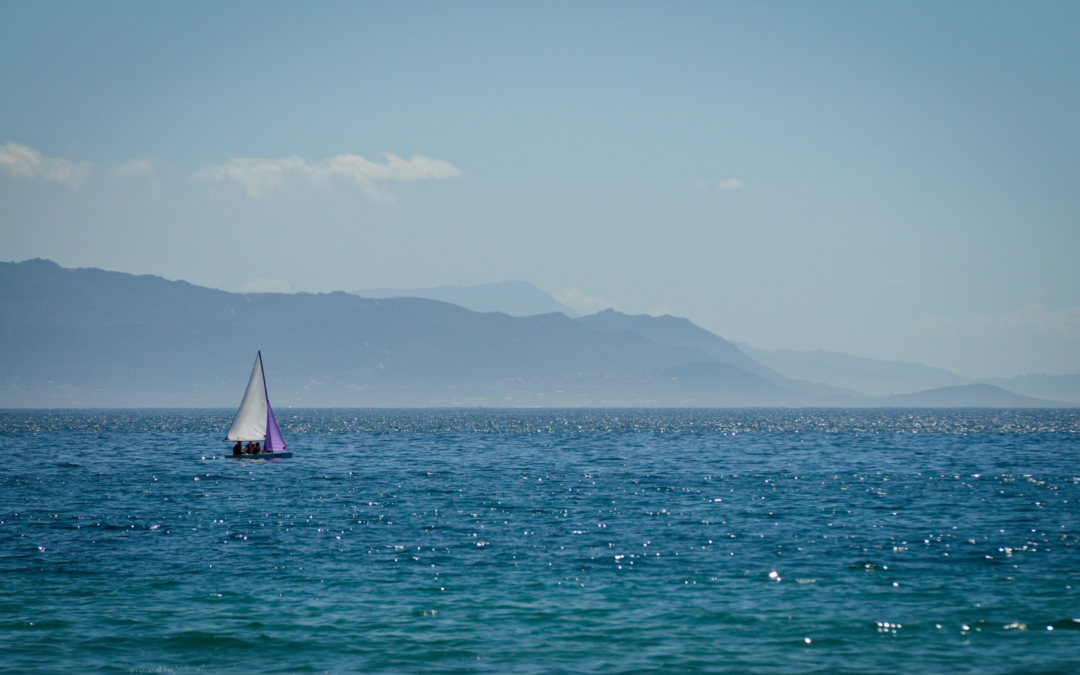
(895, 180)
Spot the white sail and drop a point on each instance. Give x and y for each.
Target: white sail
(250, 422)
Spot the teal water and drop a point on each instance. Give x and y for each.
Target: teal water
(543, 541)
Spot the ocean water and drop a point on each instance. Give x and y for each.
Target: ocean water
(610, 541)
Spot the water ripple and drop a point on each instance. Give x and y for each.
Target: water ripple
(543, 541)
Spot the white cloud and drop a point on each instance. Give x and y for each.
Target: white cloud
(731, 184)
(581, 303)
(1034, 318)
(259, 177)
(133, 168)
(265, 286)
(21, 161)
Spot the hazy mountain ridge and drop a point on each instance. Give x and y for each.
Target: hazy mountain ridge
(93, 338)
(113, 339)
(680, 332)
(868, 376)
(1055, 387)
(719, 384)
(674, 331)
(516, 298)
(875, 377)
(964, 396)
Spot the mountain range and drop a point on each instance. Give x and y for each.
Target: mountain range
(875, 377)
(516, 298)
(92, 338)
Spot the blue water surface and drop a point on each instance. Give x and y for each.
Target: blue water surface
(585, 541)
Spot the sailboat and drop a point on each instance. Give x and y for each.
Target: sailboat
(255, 419)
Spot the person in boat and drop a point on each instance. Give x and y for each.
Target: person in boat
(247, 448)
(238, 449)
(257, 449)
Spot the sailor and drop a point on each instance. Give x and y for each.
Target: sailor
(247, 448)
(238, 449)
(257, 449)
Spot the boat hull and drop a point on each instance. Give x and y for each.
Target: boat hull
(262, 455)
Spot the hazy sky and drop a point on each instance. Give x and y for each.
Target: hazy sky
(894, 180)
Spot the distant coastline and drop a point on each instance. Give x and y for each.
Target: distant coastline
(88, 338)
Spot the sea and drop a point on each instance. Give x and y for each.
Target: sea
(542, 541)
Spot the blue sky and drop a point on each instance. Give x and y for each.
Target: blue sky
(894, 180)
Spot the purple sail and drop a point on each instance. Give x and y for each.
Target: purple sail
(274, 441)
